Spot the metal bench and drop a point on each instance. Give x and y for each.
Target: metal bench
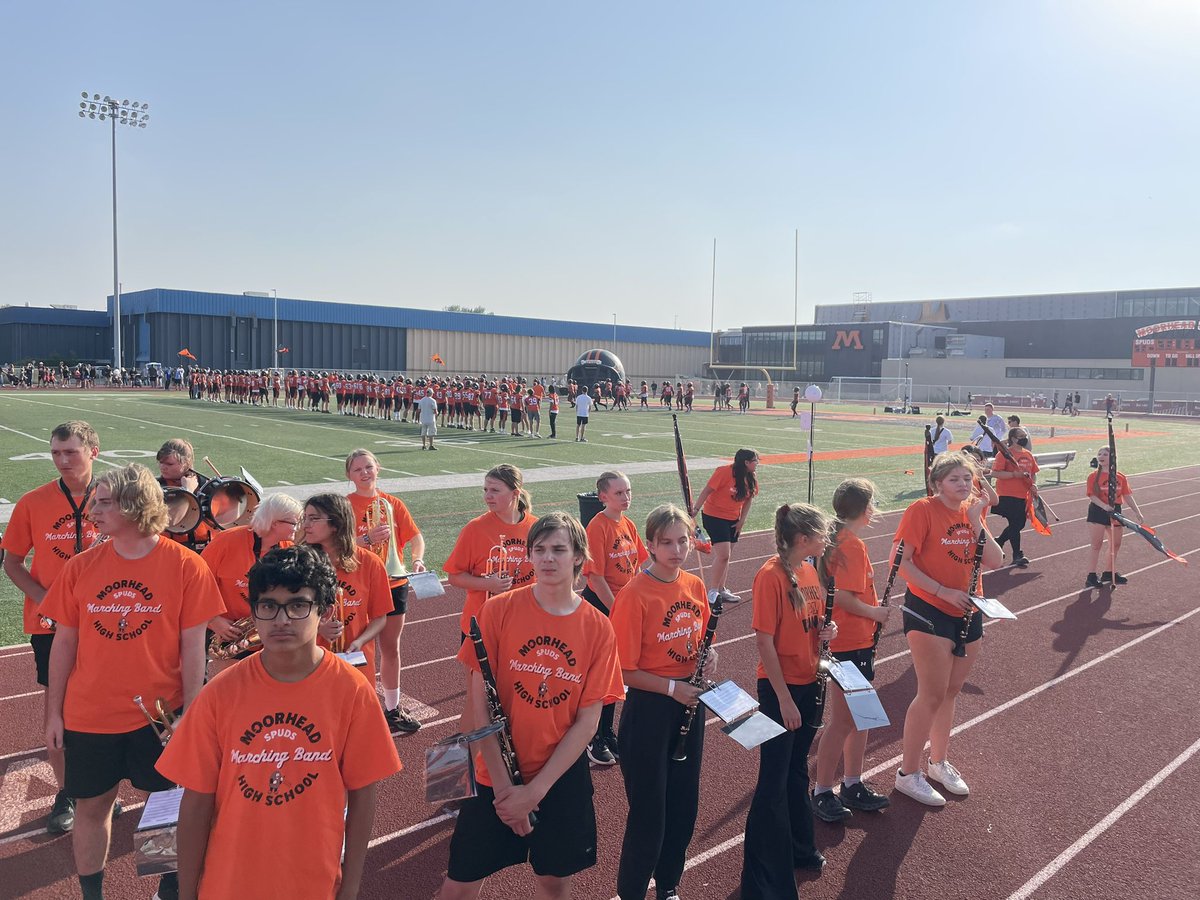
(1057, 461)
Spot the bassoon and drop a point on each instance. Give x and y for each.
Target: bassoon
(496, 711)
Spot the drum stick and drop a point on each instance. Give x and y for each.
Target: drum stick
(211, 466)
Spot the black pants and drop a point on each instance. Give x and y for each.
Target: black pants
(608, 710)
(553, 424)
(779, 828)
(663, 794)
(1013, 510)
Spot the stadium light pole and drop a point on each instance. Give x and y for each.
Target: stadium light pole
(274, 321)
(134, 115)
(614, 332)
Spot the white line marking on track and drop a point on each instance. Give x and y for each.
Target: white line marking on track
(1102, 826)
(26, 694)
(420, 826)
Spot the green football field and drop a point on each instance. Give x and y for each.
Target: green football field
(305, 452)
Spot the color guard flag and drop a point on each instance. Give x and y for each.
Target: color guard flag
(1035, 511)
(436, 358)
(1150, 535)
(284, 350)
(185, 352)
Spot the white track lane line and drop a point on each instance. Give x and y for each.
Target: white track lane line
(1053, 867)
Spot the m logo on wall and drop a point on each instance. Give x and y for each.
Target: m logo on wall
(848, 340)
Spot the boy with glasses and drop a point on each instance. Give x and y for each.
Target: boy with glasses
(276, 748)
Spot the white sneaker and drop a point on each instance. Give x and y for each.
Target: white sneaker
(918, 788)
(945, 773)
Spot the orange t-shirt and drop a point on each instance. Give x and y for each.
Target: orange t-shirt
(616, 549)
(43, 519)
(279, 758)
(474, 549)
(230, 556)
(405, 528)
(660, 626)
(130, 614)
(720, 502)
(1097, 486)
(547, 668)
(1014, 487)
(366, 597)
(794, 634)
(943, 542)
(850, 568)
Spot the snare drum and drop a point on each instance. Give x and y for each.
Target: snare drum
(227, 501)
(183, 510)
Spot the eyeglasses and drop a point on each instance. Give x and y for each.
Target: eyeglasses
(309, 520)
(295, 609)
(287, 523)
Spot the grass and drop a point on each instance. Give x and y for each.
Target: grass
(282, 446)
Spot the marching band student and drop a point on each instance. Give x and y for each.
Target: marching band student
(362, 468)
(328, 523)
(232, 552)
(659, 618)
(131, 615)
(1014, 487)
(724, 504)
(552, 701)
(615, 552)
(1100, 523)
(788, 614)
(489, 556)
(243, 785)
(175, 460)
(857, 613)
(939, 535)
(51, 521)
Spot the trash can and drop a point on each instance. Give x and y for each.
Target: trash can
(589, 505)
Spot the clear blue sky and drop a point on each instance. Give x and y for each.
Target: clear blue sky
(576, 160)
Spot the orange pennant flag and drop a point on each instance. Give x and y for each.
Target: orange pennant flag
(437, 359)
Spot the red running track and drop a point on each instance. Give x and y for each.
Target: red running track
(1075, 732)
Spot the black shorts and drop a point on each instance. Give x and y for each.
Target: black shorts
(591, 597)
(515, 416)
(489, 412)
(41, 656)
(864, 659)
(581, 420)
(563, 843)
(96, 763)
(722, 531)
(399, 600)
(944, 625)
(1098, 516)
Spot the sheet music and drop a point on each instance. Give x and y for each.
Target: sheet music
(161, 809)
(425, 585)
(992, 608)
(355, 658)
(754, 730)
(728, 701)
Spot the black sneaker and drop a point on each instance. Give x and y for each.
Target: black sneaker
(168, 887)
(1093, 580)
(814, 863)
(599, 754)
(1021, 562)
(62, 814)
(670, 894)
(610, 741)
(400, 722)
(1106, 578)
(860, 796)
(828, 808)
(1118, 578)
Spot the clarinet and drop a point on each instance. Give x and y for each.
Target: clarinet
(824, 662)
(887, 591)
(960, 646)
(496, 711)
(679, 754)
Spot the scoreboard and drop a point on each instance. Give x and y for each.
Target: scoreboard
(1167, 345)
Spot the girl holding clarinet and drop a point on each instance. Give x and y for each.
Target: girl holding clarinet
(945, 547)
(787, 621)
(858, 615)
(660, 617)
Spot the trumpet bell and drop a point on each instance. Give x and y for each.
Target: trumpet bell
(183, 510)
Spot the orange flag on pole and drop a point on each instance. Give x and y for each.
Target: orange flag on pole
(436, 358)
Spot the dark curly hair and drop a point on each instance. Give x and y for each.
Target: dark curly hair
(293, 568)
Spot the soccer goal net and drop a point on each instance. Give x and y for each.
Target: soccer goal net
(896, 391)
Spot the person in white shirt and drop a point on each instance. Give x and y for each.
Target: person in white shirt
(996, 424)
(941, 435)
(427, 408)
(583, 406)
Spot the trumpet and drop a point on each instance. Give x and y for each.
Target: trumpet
(498, 561)
(247, 639)
(164, 724)
(380, 513)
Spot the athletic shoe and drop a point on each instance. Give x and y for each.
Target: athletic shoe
(610, 741)
(62, 814)
(860, 796)
(1106, 578)
(1093, 580)
(168, 887)
(1120, 579)
(949, 777)
(669, 894)
(814, 863)
(828, 808)
(918, 788)
(728, 596)
(599, 754)
(1021, 562)
(400, 722)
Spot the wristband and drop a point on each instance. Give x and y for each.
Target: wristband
(670, 687)
(415, 561)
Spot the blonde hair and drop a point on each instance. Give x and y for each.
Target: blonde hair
(663, 517)
(607, 478)
(355, 454)
(511, 476)
(576, 536)
(945, 463)
(139, 496)
(793, 520)
(271, 509)
(77, 428)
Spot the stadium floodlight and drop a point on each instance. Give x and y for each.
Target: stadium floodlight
(116, 111)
